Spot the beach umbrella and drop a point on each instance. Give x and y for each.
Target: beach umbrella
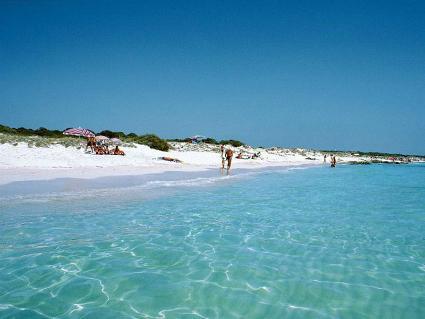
(78, 131)
(197, 138)
(115, 141)
(101, 138)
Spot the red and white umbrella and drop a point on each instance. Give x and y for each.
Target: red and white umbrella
(78, 131)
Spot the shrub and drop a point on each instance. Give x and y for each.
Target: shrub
(150, 140)
(210, 140)
(24, 131)
(234, 143)
(42, 131)
(112, 134)
(180, 140)
(41, 143)
(7, 130)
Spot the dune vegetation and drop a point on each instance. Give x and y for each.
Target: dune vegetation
(43, 137)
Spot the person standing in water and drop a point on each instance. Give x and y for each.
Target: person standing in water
(324, 158)
(229, 155)
(333, 161)
(223, 156)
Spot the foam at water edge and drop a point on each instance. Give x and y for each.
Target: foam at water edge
(151, 186)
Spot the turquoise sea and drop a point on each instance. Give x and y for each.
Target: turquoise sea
(302, 243)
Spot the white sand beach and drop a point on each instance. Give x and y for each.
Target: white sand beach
(24, 163)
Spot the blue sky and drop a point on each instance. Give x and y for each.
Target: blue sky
(319, 74)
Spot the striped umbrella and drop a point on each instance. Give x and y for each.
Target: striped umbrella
(78, 131)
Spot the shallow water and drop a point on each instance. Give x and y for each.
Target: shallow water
(314, 243)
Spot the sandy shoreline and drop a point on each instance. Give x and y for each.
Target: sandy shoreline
(55, 161)
(58, 169)
(9, 175)
(25, 163)
(124, 183)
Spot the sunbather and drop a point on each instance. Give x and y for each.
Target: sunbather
(99, 150)
(256, 155)
(106, 149)
(170, 159)
(243, 156)
(117, 151)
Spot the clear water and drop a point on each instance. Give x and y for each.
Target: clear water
(315, 243)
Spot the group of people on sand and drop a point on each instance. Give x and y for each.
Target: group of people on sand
(99, 148)
(332, 160)
(226, 156)
(248, 156)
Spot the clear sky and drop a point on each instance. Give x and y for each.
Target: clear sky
(319, 74)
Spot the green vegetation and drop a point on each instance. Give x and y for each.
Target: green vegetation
(39, 141)
(213, 141)
(150, 140)
(180, 140)
(112, 134)
(210, 140)
(234, 143)
(42, 131)
(35, 137)
(7, 130)
(372, 154)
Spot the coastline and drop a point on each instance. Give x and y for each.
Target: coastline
(124, 181)
(25, 164)
(27, 174)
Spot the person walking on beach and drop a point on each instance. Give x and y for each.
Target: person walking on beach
(223, 156)
(229, 155)
(333, 161)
